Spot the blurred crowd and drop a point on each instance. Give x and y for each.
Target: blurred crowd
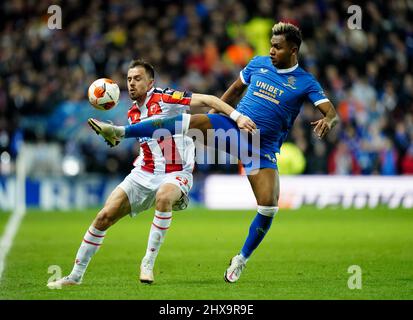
(201, 46)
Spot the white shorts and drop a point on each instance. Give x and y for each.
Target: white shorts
(141, 187)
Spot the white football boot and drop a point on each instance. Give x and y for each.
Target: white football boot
(146, 275)
(236, 265)
(64, 282)
(111, 133)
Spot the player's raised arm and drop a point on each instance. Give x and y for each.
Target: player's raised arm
(204, 100)
(233, 93)
(324, 125)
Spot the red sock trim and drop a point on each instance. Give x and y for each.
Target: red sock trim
(95, 235)
(92, 243)
(163, 218)
(160, 227)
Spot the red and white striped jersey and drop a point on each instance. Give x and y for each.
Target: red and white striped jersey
(169, 154)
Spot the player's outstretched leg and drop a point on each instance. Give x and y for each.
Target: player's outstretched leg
(116, 207)
(166, 196)
(179, 124)
(114, 134)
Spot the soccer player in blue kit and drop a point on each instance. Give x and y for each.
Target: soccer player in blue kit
(277, 88)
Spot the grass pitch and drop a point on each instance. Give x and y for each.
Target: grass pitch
(4, 217)
(306, 255)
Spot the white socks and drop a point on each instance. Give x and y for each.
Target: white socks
(160, 226)
(92, 240)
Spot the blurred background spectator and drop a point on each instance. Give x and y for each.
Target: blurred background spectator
(201, 46)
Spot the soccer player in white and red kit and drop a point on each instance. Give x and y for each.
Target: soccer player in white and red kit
(162, 173)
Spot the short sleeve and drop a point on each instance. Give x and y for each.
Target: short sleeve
(176, 97)
(316, 94)
(245, 74)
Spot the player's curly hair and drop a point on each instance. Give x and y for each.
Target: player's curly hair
(291, 32)
(150, 70)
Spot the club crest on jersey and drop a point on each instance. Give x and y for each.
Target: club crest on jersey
(291, 82)
(154, 109)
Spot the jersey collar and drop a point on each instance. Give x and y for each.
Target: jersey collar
(148, 96)
(287, 70)
(149, 93)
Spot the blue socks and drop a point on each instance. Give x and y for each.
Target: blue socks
(147, 128)
(258, 229)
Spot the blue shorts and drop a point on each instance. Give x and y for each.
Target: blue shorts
(253, 151)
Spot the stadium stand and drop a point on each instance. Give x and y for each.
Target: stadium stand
(201, 46)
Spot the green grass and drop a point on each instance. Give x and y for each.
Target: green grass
(305, 256)
(4, 217)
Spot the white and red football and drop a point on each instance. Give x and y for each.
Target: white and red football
(103, 94)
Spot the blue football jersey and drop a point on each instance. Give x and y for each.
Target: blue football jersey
(275, 96)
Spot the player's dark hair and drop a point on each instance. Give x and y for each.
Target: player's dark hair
(291, 32)
(149, 69)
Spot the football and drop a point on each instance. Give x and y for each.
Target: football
(103, 94)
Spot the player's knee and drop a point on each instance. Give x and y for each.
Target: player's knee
(163, 201)
(104, 219)
(268, 201)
